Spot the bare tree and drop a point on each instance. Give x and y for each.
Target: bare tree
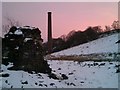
(9, 23)
(107, 28)
(116, 25)
(97, 29)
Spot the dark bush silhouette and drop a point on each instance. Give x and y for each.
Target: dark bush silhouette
(74, 38)
(91, 34)
(58, 44)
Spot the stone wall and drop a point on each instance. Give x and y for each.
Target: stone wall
(23, 47)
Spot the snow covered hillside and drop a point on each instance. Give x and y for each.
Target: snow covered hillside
(80, 75)
(102, 45)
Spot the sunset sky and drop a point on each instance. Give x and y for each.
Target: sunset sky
(66, 16)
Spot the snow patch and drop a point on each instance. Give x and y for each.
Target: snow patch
(18, 32)
(27, 39)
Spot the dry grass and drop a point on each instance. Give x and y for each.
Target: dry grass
(93, 57)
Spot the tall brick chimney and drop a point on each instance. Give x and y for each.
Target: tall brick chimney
(49, 32)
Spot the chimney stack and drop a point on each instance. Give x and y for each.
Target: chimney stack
(49, 32)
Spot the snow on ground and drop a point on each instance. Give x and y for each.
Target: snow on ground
(86, 74)
(102, 45)
(80, 75)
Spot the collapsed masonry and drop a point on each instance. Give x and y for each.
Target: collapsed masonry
(23, 47)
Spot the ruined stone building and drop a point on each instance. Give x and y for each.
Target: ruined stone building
(23, 47)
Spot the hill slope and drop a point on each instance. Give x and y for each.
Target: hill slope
(102, 45)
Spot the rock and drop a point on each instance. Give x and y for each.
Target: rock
(75, 78)
(59, 68)
(57, 77)
(5, 75)
(40, 85)
(110, 63)
(108, 67)
(102, 64)
(53, 76)
(39, 75)
(45, 85)
(68, 84)
(81, 82)
(25, 82)
(118, 70)
(95, 64)
(117, 66)
(72, 84)
(6, 81)
(118, 41)
(51, 84)
(11, 87)
(70, 73)
(36, 83)
(64, 76)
